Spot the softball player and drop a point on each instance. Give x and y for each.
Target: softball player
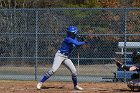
(62, 57)
(136, 61)
(134, 83)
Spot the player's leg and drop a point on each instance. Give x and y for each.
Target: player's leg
(56, 64)
(68, 63)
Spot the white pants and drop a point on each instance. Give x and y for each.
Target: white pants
(59, 59)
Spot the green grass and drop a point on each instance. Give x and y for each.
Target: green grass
(96, 70)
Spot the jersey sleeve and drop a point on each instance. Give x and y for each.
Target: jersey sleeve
(74, 41)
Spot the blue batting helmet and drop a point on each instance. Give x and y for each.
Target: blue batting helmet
(73, 29)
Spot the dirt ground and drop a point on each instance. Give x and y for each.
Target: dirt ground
(7, 86)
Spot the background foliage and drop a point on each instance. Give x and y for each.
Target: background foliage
(68, 3)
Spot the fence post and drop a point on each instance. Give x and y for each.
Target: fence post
(36, 55)
(125, 38)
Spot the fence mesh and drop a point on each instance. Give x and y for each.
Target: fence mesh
(29, 39)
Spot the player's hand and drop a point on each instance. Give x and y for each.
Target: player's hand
(84, 40)
(119, 64)
(133, 68)
(81, 38)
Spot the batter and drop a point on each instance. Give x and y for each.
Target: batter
(69, 43)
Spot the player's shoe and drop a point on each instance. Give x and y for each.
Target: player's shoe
(39, 85)
(78, 88)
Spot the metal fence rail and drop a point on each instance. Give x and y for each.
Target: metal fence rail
(29, 39)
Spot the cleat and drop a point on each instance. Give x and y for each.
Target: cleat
(78, 88)
(39, 85)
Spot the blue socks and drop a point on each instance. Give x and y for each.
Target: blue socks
(45, 77)
(74, 79)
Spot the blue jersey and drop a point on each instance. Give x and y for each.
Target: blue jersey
(68, 45)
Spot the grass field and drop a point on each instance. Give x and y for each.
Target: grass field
(7, 86)
(98, 70)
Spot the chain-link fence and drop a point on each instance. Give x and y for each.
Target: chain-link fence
(29, 39)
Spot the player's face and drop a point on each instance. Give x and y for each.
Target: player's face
(70, 34)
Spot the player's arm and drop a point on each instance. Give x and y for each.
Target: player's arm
(120, 65)
(127, 68)
(134, 68)
(75, 41)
